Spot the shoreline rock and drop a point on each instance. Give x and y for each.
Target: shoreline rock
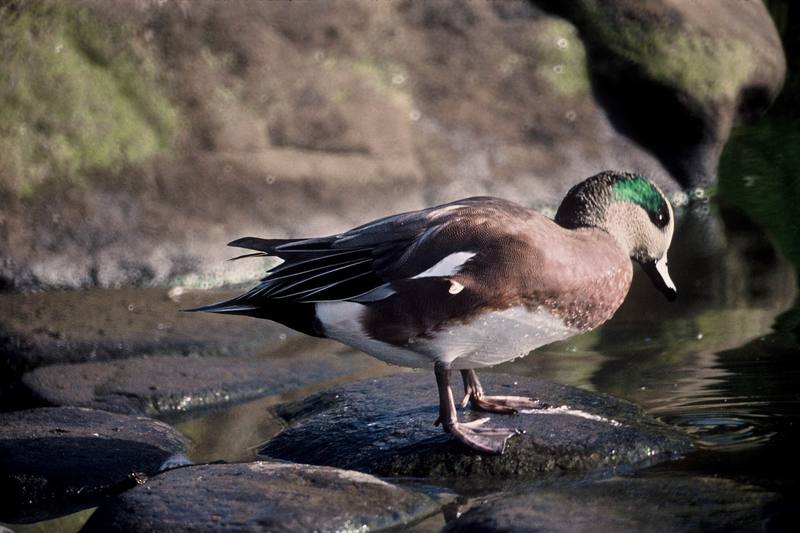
(298, 121)
(261, 496)
(670, 503)
(385, 427)
(55, 461)
(175, 387)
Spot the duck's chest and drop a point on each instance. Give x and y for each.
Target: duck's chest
(584, 295)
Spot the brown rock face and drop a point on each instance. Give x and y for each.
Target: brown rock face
(306, 118)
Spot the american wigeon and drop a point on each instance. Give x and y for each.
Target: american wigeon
(468, 284)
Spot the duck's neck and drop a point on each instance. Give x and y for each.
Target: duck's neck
(611, 218)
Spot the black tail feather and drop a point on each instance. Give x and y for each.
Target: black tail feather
(299, 316)
(262, 245)
(278, 246)
(230, 307)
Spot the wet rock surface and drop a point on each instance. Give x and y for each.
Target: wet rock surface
(174, 386)
(261, 496)
(54, 461)
(628, 504)
(385, 427)
(38, 329)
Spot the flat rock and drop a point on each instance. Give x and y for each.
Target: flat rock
(171, 386)
(54, 461)
(261, 496)
(39, 329)
(627, 504)
(385, 427)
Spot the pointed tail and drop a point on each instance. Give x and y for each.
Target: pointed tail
(230, 307)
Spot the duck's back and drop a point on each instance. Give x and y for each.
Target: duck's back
(524, 282)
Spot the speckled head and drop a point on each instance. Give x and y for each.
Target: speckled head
(634, 211)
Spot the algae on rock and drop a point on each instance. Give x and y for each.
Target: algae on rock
(82, 95)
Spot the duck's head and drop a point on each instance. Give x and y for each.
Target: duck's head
(634, 211)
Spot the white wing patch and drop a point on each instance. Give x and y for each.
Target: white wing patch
(455, 287)
(448, 266)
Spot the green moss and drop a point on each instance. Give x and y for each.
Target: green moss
(388, 79)
(561, 59)
(81, 96)
(704, 67)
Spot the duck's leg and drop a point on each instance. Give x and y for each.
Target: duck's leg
(487, 440)
(473, 394)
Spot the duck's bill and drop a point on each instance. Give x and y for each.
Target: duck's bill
(659, 275)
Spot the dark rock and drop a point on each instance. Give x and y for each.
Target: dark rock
(385, 427)
(171, 386)
(693, 68)
(38, 329)
(626, 504)
(261, 496)
(54, 461)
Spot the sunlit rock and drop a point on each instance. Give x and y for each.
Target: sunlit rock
(385, 426)
(261, 496)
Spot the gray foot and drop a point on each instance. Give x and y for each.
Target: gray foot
(483, 439)
(507, 405)
(472, 434)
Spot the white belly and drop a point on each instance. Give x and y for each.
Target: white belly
(489, 340)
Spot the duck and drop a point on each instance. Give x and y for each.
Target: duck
(468, 284)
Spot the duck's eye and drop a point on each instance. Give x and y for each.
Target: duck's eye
(660, 218)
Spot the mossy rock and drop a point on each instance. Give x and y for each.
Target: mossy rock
(84, 95)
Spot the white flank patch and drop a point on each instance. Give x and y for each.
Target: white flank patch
(567, 410)
(341, 321)
(448, 266)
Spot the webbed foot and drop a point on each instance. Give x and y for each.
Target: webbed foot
(507, 405)
(483, 439)
(472, 434)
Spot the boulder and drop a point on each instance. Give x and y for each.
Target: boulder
(38, 329)
(676, 75)
(385, 427)
(55, 461)
(176, 386)
(671, 503)
(307, 119)
(261, 496)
